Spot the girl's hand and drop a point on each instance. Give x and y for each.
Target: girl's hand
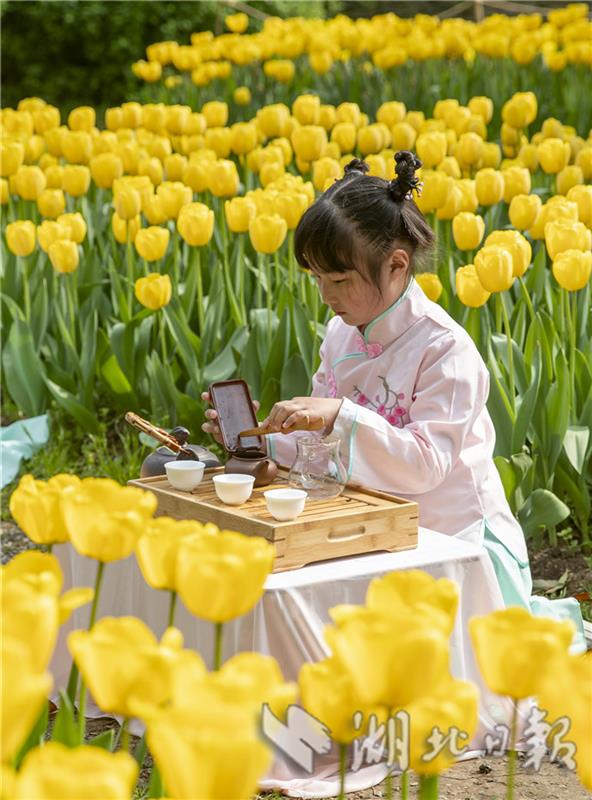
(303, 410)
(212, 426)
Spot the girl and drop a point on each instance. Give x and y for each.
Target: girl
(400, 382)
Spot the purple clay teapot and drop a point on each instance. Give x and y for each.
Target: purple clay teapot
(252, 461)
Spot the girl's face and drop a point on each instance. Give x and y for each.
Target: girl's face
(357, 301)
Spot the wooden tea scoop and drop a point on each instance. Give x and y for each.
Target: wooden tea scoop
(159, 434)
(316, 425)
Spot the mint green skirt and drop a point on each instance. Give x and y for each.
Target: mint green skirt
(515, 583)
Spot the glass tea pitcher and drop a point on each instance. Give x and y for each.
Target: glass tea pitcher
(317, 468)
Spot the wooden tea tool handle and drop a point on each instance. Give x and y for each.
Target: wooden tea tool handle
(315, 425)
(157, 433)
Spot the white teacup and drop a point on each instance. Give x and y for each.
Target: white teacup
(184, 475)
(233, 488)
(285, 504)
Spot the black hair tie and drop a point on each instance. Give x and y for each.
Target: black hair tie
(401, 187)
(356, 165)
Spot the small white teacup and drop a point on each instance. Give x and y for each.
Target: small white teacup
(184, 475)
(285, 504)
(233, 488)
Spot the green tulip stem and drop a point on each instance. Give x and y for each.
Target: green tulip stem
(93, 616)
(175, 256)
(50, 547)
(291, 261)
(512, 754)
(342, 762)
(258, 289)
(22, 264)
(277, 270)
(200, 295)
(239, 279)
(172, 607)
(268, 301)
(129, 259)
(428, 787)
(527, 299)
(405, 785)
(124, 739)
(504, 312)
(162, 331)
(218, 646)
(388, 785)
(72, 295)
(572, 320)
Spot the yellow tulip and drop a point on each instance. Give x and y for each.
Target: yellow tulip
(436, 187)
(154, 117)
(132, 114)
(105, 168)
(468, 230)
(417, 590)
(242, 95)
(469, 288)
(76, 146)
(152, 168)
(177, 118)
(209, 570)
(453, 704)
(36, 507)
(272, 119)
(431, 148)
(321, 61)
(450, 166)
(64, 255)
(46, 118)
(174, 195)
(271, 171)
(76, 225)
(223, 180)
(403, 136)
(370, 139)
(24, 692)
(452, 205)
(391, 113)
(196, 224)
(495, 268)
(82, 118)
(527, 155)
(349, 112)
(125, 230)
(309, 142)
(555, 208)
(215, 113)
(516, 182)
(492, 155)
(582, 196)
(566, 691)
(284, 145)
(524, 209)
(49, 232)
(323, 170)
(563, 234)
(431, 285)
(520, 110)
(291, 206)
(4, 192)
(12, 156)
(79, 773)
(489, 185)
(280, 69)
(572, 269)
(54, 175)
(306, 109)
(76, 179)
(482, 107)
(506, 668)
(149, 71)
(328, 692)
(267, 232)
(327, 117)
(469, 200)
(584, 161)
(209, 749)
(51, 203)
(195, 175)
(237, 23)
(20, 237)
(154, 291)
(239, 212)
(159, 148)
(29, 182)
(344, 135)
(388, 670)
(127, 202)
(518, 247)
(157, 548)
(219, 140)
(469, 149)
(569, 177)
(104, 520)
(113, 118)
(553, 155)
(243, 137)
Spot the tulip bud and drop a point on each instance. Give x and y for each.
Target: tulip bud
(4, 192)
(127, 202)
(553, 155)
(151, 243)
(215, 113)
(242, 96)
(76, 225)
(516, 181)
(20, 237)
(306, 109)
(518, 247)
(63, 255)
(152, 169)
(105, 168)
(49, 232)
(291, 206)
(524, 209)
(582, 196)
(431, 148)
(223, 180)
(469, 200)
(584, 161)
(154, 291)
(239, 212)
(520, 110)
(492, 155)
(51, 203)
(564, 234)
(76, 146)
(174, 195)
(309, 142)
(482, 106)
(196, 224)
(82, 118)
(267, 232)
(467, 230)
(125, 231)
(430, 284)
(572, 269)
(76, 180)
(469, 150)
(489, 185)
(436, 186)
(469, 288)
(323, 170)
(569, 177)
(370, 140)
(29, 182)
(344, 134)
(494, 268)
(12, 156)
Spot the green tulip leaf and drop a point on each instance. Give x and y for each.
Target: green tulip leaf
(542, 510)
(23, 370)
(65, 727)
(115, 376)
(575, 445)
(85, 418)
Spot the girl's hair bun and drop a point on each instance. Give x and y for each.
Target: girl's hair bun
(356, 165)
(401, 187)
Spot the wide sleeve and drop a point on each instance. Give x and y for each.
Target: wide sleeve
(450, 391)
(282, 446)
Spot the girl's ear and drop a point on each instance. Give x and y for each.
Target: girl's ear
(400, 260)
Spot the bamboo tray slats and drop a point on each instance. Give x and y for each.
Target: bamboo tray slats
(358, 521)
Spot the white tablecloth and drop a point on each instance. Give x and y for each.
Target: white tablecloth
(289, 621)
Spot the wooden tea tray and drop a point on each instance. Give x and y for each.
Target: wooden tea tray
(358, 521)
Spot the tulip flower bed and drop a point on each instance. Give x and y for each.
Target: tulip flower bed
(389, 658)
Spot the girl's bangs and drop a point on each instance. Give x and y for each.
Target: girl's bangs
(324, 241)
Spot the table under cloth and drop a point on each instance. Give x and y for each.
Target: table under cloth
(288, 624)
